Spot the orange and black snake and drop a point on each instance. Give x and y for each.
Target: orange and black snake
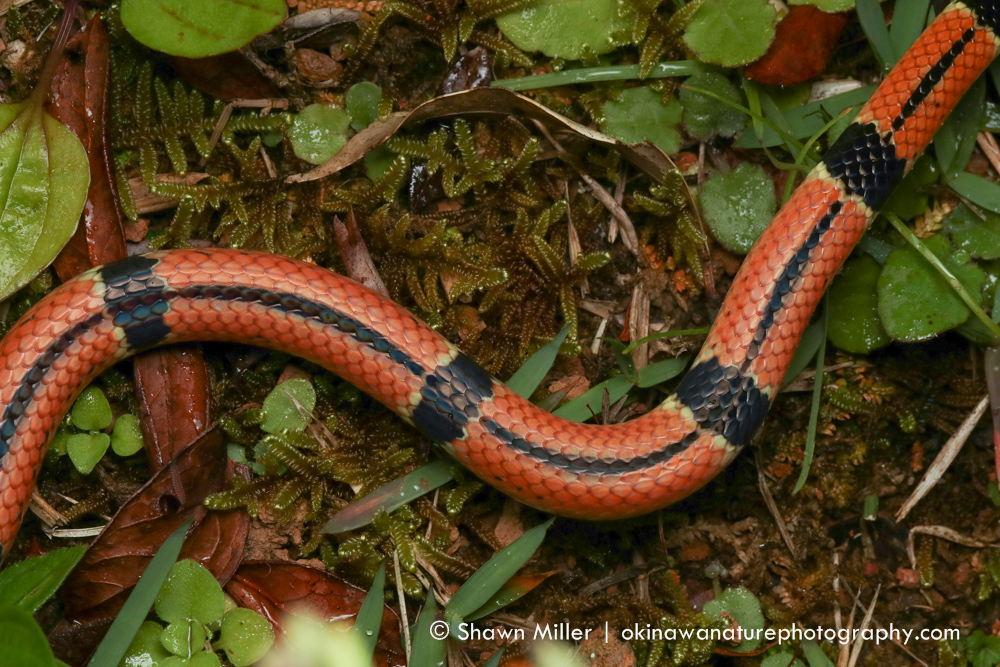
(577, 470)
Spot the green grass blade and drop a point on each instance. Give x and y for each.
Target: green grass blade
(591, 402)
(664, 334)
(427, 651)
(661, 371)
(140, 601)
(977, 190)
(391, 496)
(491, 577)
(31, 582)
(571, 77)
(806, 120)
(908, 21)
(873, 23)
(814, 410)
(811, 340)
(369, 619)
(527, 378)
(495, 659)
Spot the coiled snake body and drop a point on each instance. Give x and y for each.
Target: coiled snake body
(578, 470)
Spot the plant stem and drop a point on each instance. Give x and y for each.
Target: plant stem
(65, 27)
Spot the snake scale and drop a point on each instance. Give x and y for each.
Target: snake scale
(571, 469)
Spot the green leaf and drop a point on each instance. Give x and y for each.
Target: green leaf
(731, 32)
(871, 507)
(738, 206)
(91, 411)
(44, 176)
(978, 236)
(126, 437)
(956, 140)
(914, 301)
(362, 104)
(281, 407)
(908, 20)
(86, 449)
(199, 28)
(873, 23)
(814, 654)
(977, 190)
(125, 626)
(812, 338)
(31, 582)
(427, 651)
(743, 606)
(60, 440)
(390, 497)
(490, 578)
(527, 378)
(830, 6)
(184, 637)
(807, 120)
(369, 619)
(556, 654)
(22, 642)
(565, 28)
(640, 115)
(145, 649)
(591, 402)
(661, 371)
(245, 637)
(705, 117)
(190, 593)
(319, 132)
(781, 659)
(855, 325)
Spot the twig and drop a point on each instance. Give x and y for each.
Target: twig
(401, 594)
(772, 507)
(945, 534)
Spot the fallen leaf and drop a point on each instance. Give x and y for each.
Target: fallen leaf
(229, 76)
(802, 45)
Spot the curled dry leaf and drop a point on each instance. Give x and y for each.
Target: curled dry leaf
(277, 588)
(229, 76)
(803, 44)
(96, 590)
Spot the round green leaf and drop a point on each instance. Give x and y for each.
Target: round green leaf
(199, 28)
(978, 236)
(731, 32)
(704, 116)
(245, 637)
(745, 608)
(91, 412)
(145, 649)
(45, 175)
(738, 206)
(640, 115)
(319, 132)
(190, 592)
(830, 6)
(22, 642)
(781, 659)
(126, 437)
(362, 104)
(86, 449)
(914, 301)
(183, 638)
(565, 28)
(59, 441)
(281, 407)
(205, 659)
(854, 323)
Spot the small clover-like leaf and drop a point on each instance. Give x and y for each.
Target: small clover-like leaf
(319, 132)
(181, 638)
(829, 6)
(91, 411)
(190, 592)
(743, 606)
(854, 323)
(145, 649)
(199, 28)
(977, 234)
(640, 115)
(281, 407)
(738, 206)
(704, 116)
(86, 449)
(362, 104)
(245, 637)
(731, 32)
(126, 437)
(914, 301)
(565, 28)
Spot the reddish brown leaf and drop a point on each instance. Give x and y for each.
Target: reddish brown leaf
(173, 385)
(95, 591)
(276, 588)
(78, 100)
(229, 76)
(802, 46)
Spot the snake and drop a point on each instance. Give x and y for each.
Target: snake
(578, 470)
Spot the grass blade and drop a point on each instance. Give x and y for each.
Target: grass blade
(497, 571)
(591, 402)
(390, 497)
(813, 337)
(908, 21)
(814, 410)
(873, 23)
(571, 77)
(31, 582)
(661, 371)
(527, 378)
(977, 190)
(140, 601)
(369, 619)
(427, 650)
